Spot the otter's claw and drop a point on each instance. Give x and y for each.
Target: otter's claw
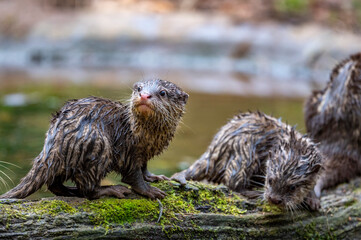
(179, 177)
(155, 193)
(151, 192)
(119, 191)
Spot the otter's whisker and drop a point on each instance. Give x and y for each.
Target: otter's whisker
(2, 172)
(2, 166)
(8, 163)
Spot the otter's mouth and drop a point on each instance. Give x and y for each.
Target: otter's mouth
(274, 201)
(144, 108)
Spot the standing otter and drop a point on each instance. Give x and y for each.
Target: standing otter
(333, 118)
(253, 147)
(90, 137)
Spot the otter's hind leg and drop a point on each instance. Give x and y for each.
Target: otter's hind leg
(117, 191)
(59, 189)
(337, 170)
(91, 189)
(88, 160)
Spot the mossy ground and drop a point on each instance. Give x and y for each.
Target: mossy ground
(193, 198)
(311, 231)
(183, 213)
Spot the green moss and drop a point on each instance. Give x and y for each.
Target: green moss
(266, 207)
(26, 211)
(194, 198)
(120, 211)
(53, 207)
(292, 6)
(310, 231)
(221, 203)
(47, 207)
(12, 213)
(206, 198)
(350, 202)
(357, 191)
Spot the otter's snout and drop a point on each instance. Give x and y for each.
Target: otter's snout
(144, 96)
(143, 104)
(274, 200)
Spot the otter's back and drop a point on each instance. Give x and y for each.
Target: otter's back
(241, 147)
(333, 114)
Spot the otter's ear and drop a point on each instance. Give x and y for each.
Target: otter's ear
(182, 96)
(185, 97)
(315, 168)
(316, 165)
(135, 86)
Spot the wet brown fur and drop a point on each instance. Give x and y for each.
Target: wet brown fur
(90, 137)
(332, 117)
(254, 150)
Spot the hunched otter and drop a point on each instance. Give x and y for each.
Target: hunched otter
(90, 137)
(332, 118)
(253, 147)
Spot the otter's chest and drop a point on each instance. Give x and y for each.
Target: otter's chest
(151, 147)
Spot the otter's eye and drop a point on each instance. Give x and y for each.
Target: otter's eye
(139, 89)
(292, 188)
(162, 93)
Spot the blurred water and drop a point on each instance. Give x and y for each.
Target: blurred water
(207, 53)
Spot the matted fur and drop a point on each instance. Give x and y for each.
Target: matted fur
(332, 117)
(252, 147)
(90, 137)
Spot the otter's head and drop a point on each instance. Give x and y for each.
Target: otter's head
(343, 91)
(158, 100)
(291, 172)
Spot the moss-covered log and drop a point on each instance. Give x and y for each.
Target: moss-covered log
(198, 211)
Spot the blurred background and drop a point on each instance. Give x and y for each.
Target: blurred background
(229, 55)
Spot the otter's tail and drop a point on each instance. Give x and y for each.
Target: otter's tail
(197, 171)
(33, 181)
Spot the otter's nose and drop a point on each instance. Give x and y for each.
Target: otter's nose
(275, 200)
(145, 96)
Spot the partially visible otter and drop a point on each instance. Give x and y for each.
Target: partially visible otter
(253, 147)
(90, 137)
(333, 118)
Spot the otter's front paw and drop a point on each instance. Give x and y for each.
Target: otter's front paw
(179, 177)
(313, 202)
(318, 188)
(155, 178)
(151, 192)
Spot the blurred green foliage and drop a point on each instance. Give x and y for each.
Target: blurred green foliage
(292, 6)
